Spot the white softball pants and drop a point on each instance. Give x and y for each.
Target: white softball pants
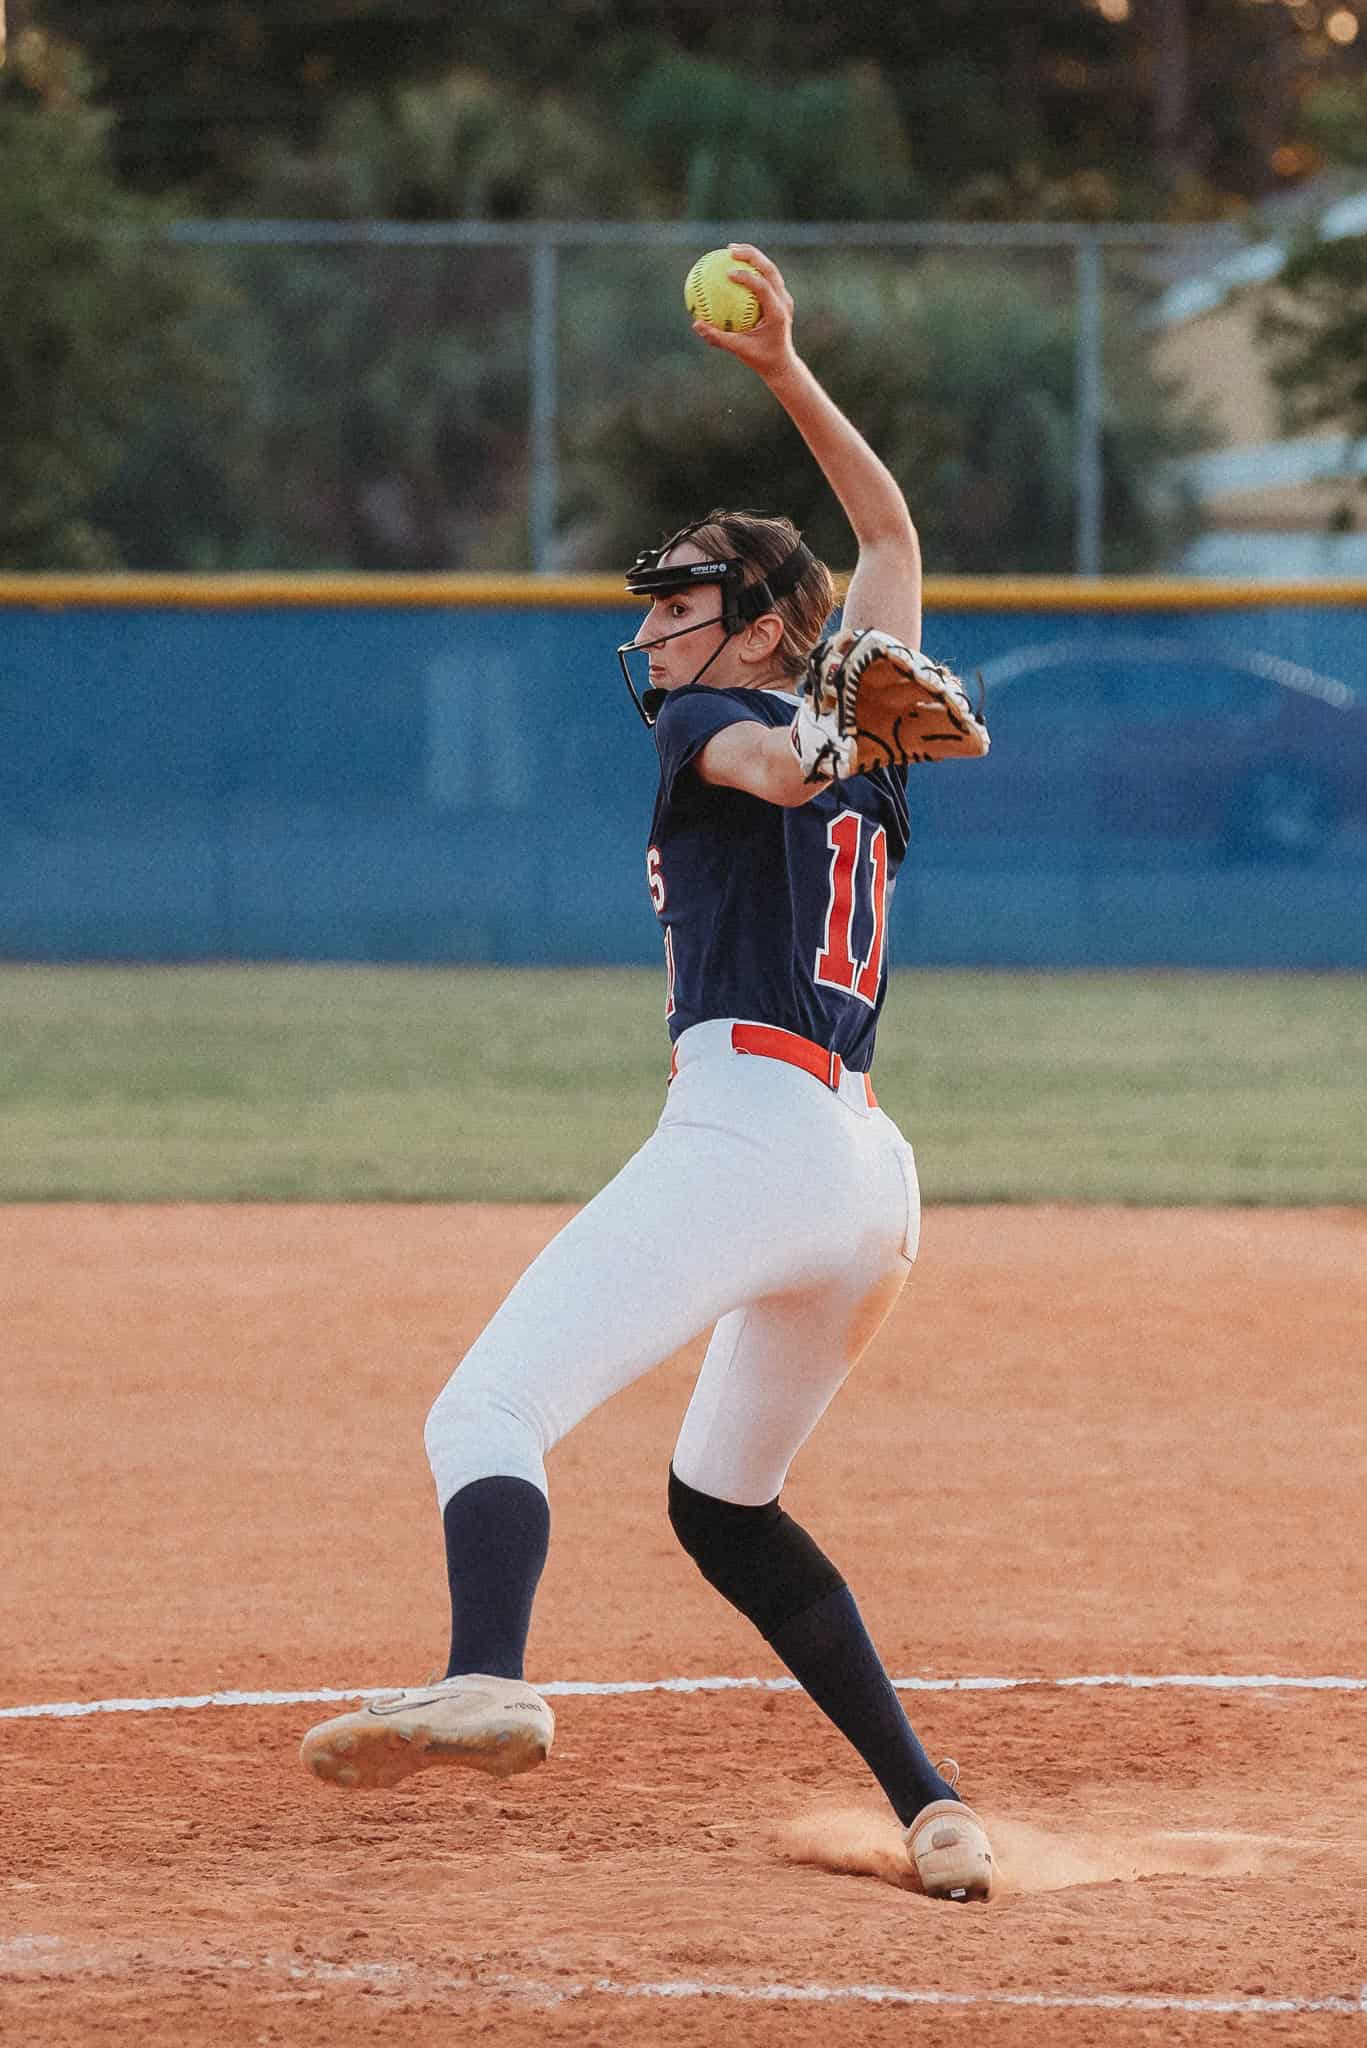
(783, 1212)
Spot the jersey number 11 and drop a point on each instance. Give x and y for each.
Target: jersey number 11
(836, 964)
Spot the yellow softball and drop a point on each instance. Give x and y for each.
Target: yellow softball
(709, 293)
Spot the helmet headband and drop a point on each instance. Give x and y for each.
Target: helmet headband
(649, 577)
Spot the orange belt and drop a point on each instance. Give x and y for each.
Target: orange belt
(770, 1042)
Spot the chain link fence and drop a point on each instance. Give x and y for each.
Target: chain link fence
(441, 395)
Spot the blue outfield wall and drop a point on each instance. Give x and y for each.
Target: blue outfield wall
(1181, 784)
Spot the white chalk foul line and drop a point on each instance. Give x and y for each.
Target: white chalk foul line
(1050, 2001)
(49, 1956)
(588, 1688)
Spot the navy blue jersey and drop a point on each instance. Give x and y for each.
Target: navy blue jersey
(769, 912)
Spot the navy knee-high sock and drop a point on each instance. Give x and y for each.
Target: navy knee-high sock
(497, 1532)
(768, 1567)
(828, 1650)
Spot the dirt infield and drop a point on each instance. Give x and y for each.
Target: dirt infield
(1091, 1444)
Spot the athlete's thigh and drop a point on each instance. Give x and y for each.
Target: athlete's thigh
(771, 1371)
(677, 1239)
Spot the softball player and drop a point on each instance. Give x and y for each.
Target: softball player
(774, 1201)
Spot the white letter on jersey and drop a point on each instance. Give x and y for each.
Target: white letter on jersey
(655, 881)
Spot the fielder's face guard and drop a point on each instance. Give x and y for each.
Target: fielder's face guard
(649, 577)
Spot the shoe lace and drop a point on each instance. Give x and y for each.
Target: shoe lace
(949, 1770)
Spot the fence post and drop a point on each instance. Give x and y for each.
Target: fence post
(1088, 405)
(542, 479)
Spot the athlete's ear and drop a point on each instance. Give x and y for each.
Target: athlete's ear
(761, 637)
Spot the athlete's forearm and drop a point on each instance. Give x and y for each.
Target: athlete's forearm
(885, 588)
(869, 493)
(760, 760)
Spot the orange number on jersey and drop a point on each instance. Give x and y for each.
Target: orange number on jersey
(836, 966)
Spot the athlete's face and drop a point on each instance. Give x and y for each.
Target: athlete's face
(683, 631)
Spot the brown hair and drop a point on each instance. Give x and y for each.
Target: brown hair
(762, 542)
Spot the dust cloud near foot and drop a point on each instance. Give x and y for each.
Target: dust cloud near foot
(1035, 1859)
(860, 1842)
(868, 1843)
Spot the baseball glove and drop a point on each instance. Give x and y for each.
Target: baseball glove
(869, 702)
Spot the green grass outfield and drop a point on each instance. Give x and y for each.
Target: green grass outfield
(348, 1083)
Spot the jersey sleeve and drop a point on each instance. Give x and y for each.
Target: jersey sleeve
(688, 719)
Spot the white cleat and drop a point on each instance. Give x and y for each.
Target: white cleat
(496, 1725)
(950, 1852)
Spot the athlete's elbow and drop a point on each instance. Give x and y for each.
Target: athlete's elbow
(893, 539)
(787, 787)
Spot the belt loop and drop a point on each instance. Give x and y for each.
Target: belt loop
(833, 1073)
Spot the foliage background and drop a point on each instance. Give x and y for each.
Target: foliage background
(1134, 101)
(368, 408)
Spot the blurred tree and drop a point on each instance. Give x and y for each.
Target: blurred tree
(388, 388)
(1177, 107)
(369, 408)
(1314, 327)
(1166, 27)
(736, 146)
(197, 85)
(458, 148)
(386, 406)
(961, 376)
(1334, 120)
(100, 330)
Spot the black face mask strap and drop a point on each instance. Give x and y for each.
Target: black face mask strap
(763, 596)
(648, 701)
